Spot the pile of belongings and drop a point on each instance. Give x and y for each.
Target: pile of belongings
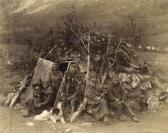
(110, 85)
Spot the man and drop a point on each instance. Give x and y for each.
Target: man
(41, 100)
(117, 95)
(139, 96)
(124, 57)
(73, 90)
(55, 79)
(96, 104)
(145, 68)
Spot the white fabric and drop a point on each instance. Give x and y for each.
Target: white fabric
(47, 115)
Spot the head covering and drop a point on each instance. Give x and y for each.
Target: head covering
(38, 83)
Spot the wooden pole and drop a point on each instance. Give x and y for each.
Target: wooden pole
(82, 106)
(61, 85)
(88, 66)
(22, 86)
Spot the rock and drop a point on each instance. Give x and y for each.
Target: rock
(135, 80)
(54, 127)
(153, 104)
(30, 124)
(145, 85)
(68, 130)
(124, 77)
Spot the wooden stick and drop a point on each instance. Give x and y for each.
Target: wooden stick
(115, 58)
(61, 85)
(79, 111)
(22, 86)
(105, 57)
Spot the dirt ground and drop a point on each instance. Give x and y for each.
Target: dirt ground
(12, 121)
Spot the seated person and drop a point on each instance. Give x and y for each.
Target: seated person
(72, 91)
(96, 104)
(40, 100)
(116, 94)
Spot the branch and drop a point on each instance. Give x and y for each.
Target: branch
(105, 56)
(115, 58)
(55, 46)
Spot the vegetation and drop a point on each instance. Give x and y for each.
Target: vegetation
(126, 20)
(111, 16)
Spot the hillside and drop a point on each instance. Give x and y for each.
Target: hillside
(151, 16)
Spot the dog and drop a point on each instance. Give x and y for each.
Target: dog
(55, 114)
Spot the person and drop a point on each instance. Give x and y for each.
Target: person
(77, 94)
(117, 95)
(96, 103)
(124, 59)
(145, 68)
(55, 79)
(73, 90)
(139, 96)
(41, 100)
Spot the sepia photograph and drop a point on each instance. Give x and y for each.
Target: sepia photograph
(83, 66)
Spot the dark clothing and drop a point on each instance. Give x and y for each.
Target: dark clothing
(116, 91)
(55, 81)
(73, 90)
(117, 96)
(76, 97)
(139, 98)
(96, 104)
(98, 110)
(46, 98)
(39, 103)
(71, 86)
(122, 61)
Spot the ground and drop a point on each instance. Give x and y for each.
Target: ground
(12, 121)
